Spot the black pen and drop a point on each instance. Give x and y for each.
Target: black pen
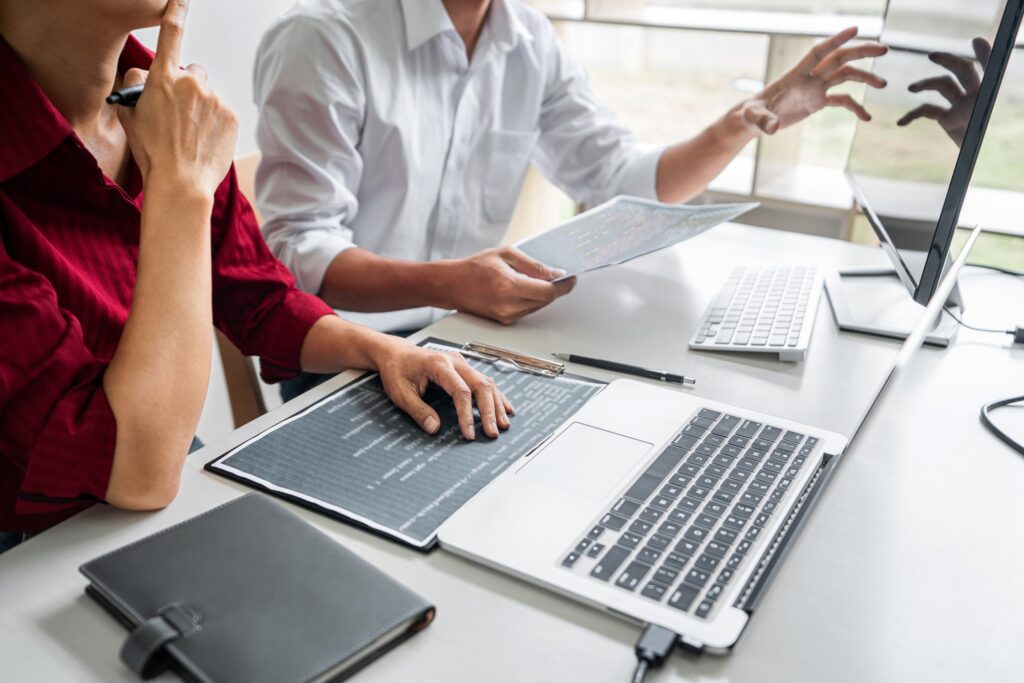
(626, 369)
(126, 97)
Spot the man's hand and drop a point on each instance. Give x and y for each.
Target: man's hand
(179, 132)
(960, 93)
(407, 370)
(502, 284)
(804, 89)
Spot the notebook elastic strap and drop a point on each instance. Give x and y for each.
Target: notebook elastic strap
(144, 651)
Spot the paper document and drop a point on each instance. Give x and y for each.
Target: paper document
(355, 455)
(623, 229)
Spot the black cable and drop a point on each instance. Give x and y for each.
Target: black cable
(652, 648)
(1000, 434)
(998, 269)
(960, 321)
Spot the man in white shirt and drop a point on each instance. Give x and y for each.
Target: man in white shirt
(396, 136)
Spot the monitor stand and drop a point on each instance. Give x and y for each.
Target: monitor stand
(875, 302)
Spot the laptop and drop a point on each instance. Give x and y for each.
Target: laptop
(661, 507)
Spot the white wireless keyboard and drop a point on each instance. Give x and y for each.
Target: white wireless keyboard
(762, 309)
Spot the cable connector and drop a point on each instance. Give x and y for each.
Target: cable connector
(1018, 335)
(652, 648)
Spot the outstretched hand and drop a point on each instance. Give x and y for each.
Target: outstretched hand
(960, 93)
(804, 89)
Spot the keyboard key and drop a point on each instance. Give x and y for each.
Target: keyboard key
(676, 561)
(707, 563)
(724, 460)
(709, 414)
(689, 470)
(759, 487)
(726, 536)
(793, 437)
(677, 516)
(583, 545)
(731, 486)
(771, 433)
(640, 527)
(716, 548)
(595, 550)
(739, 441)
(723, 496)
(689, 504)
(671, 491)
(659, 542)
(686, 547)
(625, 508)
(685, 442)
(696, 577)
(662, 502)
(752, 533)
(743, 546)
(706, 521)
(705, 449)
(648, 555)
(702, 422)
(684, 597)
(596, 532)
(716, 471)
(747, 464)
(732, 451)
(654, 591)
(726, 425)
(743, 509)
(643, 487)
(715, 508)
(785, 446)
(704, 481)
(734, 561)
(570, 559)
(679, 480)
(666, 463)
(613, 522)
(697, 459)
(766, 477)
(773, 465)
(748, 429)
(629, 540)
(725, 576)
(694, 430)
(714, 592)
(740, 475)
(713, 440)
(634, 573)
(769, 507)
(698, 491)
(761, 519)
(665, 575)
(670, 529)
(651, 514)
(734, 522)
(696, 534)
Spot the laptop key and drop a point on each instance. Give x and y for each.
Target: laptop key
(651, 514)
(696, 577)
(685, 441)
(611, 561)
(731, 486)
(643, 487)
(671, 491)
(715, 508)
(648, 555)
(595, 550)
(613, 522)
(662, 502)
(771, 433)
(666, 463)
(696, 534)
(686, 547)
(723, 496)
(694, 430)
(683, 597)
(706, 520)
(629, 540)
(748, 429)
(634, 573)
(625, 508)
(676, 561)
(678, 516)
(709, 414)
(670, 529)
(640, 527)
(665, 575)
(739, 441)
(704, 609)
(697, 491)
(654, 591)
(596, 532)
(793, 437)
(582, 545)
(570, 559)
(733, 561)
(703, 422)
(724, 576)
(689, 504)
(716, 548)
(689, 470)
(679, 480)
(726, 425)
(659, 542)
(707, 563)
(714, 592)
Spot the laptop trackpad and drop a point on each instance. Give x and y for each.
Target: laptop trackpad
(585, 461)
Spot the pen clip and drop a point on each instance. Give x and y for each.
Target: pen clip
(521, 361)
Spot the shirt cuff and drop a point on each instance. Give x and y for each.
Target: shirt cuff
(307, 254)
(291, 321)
(640, 174)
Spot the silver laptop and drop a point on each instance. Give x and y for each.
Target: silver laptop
(658, 506)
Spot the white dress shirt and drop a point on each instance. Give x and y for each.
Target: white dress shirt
(378, 132)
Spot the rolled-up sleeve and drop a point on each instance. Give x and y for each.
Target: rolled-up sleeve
(583, 148)
(58, 428)
(255, 301)
(311, 107)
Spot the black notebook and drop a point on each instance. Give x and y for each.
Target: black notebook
(250, 592)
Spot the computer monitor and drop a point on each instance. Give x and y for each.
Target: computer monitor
(911, 165)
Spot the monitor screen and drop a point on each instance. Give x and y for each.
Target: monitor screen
(911, 164)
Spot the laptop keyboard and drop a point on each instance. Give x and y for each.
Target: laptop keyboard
(680, 533)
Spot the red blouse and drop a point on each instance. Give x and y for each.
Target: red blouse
(68, 258)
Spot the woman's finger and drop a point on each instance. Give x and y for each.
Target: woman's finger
(925, 111)
(407, 398)
(172, 33)
(198, 72)
(944, 85)
(962, 68)
(823, 49)
(444, 375)
(849, 54)
(501, 408)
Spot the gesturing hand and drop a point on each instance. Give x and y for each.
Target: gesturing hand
(179, 129)
(504, 284)
(960, 93)
(407, 371)
(803, 90)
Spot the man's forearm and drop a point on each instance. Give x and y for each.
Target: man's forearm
(686, 169)
(333, 345)
(359, 280)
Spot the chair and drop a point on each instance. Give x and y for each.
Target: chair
(240, 376)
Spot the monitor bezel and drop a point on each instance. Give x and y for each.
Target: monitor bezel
(937, 257)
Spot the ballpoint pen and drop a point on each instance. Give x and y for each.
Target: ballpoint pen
(636, 370)
(126, 97)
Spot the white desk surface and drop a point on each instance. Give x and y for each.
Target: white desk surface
(909, 569)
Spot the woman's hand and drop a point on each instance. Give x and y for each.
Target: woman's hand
(804, 89)
(179, 132)
(407, 370)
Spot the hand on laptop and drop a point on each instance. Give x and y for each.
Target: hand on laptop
(804, 89)
(503, 284)
(407, 370)
(960, 93)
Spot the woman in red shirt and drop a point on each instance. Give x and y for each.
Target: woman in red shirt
(124, 241)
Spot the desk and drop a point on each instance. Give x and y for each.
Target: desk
(886, 582)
